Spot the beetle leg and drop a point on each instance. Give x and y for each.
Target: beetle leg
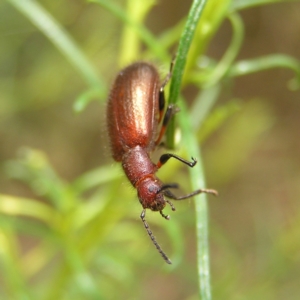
(165, 157)
(161, 96)
(161, 102)
(170, 112)
(169, 75)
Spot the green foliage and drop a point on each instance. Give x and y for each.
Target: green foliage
(85, 231)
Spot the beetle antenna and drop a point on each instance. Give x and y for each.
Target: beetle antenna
(163, 254)
(170, 195)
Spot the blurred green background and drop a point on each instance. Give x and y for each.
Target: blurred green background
(86, 240)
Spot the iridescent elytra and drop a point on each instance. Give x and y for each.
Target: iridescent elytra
(135, 110)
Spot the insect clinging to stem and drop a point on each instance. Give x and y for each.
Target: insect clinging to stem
(135, 110)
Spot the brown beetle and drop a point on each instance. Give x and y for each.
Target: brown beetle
(135, 110)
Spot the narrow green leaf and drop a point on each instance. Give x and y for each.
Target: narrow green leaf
(60, 38)
(258, 64)
(242, 4)
(13, 278)
(231, 53)
(19, 206)
(144, 34)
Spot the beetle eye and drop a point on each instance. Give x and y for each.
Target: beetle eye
(153, 189)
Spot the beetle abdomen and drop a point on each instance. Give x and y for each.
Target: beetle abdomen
(133, 109)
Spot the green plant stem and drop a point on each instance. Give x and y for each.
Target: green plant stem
(197, 180)
(181, 57)
(131, 41)
(191, 142)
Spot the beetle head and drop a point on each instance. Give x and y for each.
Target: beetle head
(150, 195)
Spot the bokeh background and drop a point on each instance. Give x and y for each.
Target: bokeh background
(252, 159)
